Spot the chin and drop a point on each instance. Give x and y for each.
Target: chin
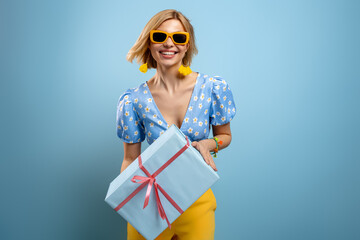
(168, 63)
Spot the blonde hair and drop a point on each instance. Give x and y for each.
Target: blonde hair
(142, 53)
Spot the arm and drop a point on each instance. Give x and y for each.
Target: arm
(131, 152)
(223, 133)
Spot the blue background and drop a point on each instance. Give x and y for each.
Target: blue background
(292, 169)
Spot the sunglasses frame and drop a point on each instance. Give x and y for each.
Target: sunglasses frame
(169, 35)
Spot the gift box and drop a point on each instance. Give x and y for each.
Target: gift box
(159, 185)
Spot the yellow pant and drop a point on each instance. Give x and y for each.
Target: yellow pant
(196, 223)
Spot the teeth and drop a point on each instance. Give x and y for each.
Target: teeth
(168, 53)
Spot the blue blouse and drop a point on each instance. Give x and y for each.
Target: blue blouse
(138, 116)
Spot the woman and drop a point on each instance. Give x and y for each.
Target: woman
(175, 95)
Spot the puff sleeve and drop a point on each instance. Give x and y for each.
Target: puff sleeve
(129, 127)
(222, 106)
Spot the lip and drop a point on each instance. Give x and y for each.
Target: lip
(167, 50)
(168, 56)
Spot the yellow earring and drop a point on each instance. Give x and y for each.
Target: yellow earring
(184, 70)
(143, 68)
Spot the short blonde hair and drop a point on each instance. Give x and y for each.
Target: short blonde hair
(141, 50)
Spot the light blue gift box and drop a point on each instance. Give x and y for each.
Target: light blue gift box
(185, 180)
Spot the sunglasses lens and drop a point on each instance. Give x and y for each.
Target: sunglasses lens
(159, 37)
(179, 38)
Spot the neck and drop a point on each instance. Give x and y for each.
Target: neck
(168, 78)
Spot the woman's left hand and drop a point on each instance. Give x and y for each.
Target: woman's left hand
(205, 153)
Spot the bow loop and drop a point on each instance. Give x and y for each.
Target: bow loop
(150, 181)
(140, 179)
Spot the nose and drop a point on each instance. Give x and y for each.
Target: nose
(168, 41)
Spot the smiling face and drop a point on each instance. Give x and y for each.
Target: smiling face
(168, 53)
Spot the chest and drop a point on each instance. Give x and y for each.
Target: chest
(173, 108)
(189, 109)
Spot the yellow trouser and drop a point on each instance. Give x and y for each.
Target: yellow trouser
(196, 223)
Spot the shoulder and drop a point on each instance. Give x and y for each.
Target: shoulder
(215, 82)
(132, 93)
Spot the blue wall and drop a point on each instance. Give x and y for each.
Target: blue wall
(292, 169)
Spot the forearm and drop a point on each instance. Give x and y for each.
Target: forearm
(131, 152)
(125, 164)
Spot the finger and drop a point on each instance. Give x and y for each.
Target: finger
(205, 157)
(195, 145)
(206, 160)
(212, 164)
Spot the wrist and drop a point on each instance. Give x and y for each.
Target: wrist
(218, 143)
(209, 143)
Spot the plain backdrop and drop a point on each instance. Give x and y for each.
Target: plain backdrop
(291, 171)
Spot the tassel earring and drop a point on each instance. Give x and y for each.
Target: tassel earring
(143, 68)
(184, 70)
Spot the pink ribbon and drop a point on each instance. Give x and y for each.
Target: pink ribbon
(150, 180)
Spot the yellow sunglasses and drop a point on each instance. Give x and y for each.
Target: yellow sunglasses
(158, 36)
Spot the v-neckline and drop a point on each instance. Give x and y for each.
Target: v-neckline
(187, 109)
